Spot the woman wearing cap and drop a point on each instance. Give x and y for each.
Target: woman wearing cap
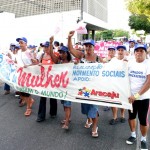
(46, 59)
(139, 76)
(64, 57)
(88, 57)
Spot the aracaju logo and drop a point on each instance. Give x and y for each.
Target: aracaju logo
(86, 92)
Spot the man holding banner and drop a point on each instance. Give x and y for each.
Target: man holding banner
(139, 75)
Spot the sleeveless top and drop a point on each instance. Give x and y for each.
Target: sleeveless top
(83, 60)
(47, 61)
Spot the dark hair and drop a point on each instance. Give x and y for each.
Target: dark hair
(69, 58)
(56, 43)
(61, 44)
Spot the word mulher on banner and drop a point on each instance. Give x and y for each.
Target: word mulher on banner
(94, 83)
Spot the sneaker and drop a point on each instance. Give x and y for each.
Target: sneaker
(113, 121)
(40, 119)
(131, 140)
(122, 120)
(144, 145)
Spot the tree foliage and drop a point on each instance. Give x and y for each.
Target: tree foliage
(139, 22)
(110, 34)
(139, 7)
(120, 33)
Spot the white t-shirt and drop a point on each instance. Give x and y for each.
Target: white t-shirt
(13, 56)
(24, 58)
(56, 49)
(137, 75)
(118, 64)
(39, 55)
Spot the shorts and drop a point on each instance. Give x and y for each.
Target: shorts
(90, 110)
(142, 108)
(66, 103)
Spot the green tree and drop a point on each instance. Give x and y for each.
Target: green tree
(139, 22)
(139, 7)
(106, 34)
(110, 34)
(120, 33)
(98, 35)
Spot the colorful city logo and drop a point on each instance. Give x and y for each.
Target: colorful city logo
(98, 95)
(86, 92)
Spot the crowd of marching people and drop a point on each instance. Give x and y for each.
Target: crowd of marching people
(136, 56)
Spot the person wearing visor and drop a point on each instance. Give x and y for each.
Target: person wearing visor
(24, 59)
(139, 76)
(90, 110)
(119, 60)
(64, 57)
(46, 59)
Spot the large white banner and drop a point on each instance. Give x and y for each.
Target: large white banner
(94, 83)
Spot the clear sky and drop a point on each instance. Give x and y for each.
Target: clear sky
(118, 14)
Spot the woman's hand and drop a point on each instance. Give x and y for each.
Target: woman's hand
(51, 39)
(71, 33)
(76, 62)
(131, 99)
(40, 64)
(25, 66)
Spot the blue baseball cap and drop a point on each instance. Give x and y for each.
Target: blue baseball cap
(56, 42)
(63, 48)
(111, 47)
(12, 44)
(17, 46)
(131, 41)
(23, 39)
(121, 46)
(140, 46)
(46, 44)
(34, 46)
(29, 46)
(90, 41)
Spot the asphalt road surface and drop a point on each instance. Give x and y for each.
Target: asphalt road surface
(18, 132)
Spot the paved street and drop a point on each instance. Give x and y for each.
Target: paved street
(18, 132)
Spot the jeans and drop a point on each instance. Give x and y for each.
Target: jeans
(6, 87)
(42, 107)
